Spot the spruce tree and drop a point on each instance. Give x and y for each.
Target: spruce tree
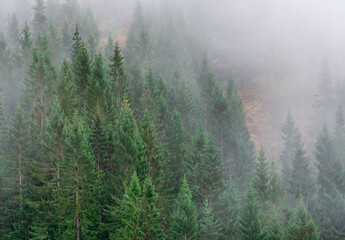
(152, 220)
(39, 21)
(323, 99)
(39, 85)
(97, 96)
(209, 227)
(228, 208)
(118, 78)
(129, 214)
(129, 146)
(241, 147)
(178, 162)
(330, 216)
(207, 173)
(14, 32)
(262, 178)
(77, 196)
(184, 219)
(301, 226)
(81, 66)
(301, 182)
(154, 152)
(339, 136)
(26, 42)
(275, 229)
(292, 142)
(66, 90)
(330, 174)
(249, 225)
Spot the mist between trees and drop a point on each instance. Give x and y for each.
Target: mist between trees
(155, 120)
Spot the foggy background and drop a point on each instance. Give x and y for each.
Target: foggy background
(273, 48)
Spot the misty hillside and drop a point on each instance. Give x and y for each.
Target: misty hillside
(172, 119)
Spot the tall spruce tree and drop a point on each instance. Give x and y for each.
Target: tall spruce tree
(207, 173)
(118, 78)
(241, 147)
(330, 174)
(26, 42)
(301, 182)
(292, 142)
(81, 66)
(262, 178)
(339, 136)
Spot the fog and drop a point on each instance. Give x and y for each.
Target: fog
(275, 47)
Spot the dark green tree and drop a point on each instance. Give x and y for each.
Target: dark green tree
(154, 152)
(339, 136)
(118, 78)
(152, 220)
(207, 173)
(184, 219)
(129, 212)
(81, 66)
(249, 225)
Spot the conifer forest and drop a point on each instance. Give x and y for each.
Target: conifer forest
(171, 119)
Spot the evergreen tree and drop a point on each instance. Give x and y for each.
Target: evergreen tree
(109, 48)
(178, 162)
(331, 216)
(301, 183)
(301, 226)
(227, 209)
(241, 148)
(25, 41)
(275, 227)
(330, 176)
(292, 142)
(130, 212)
(153, 221)
(275, 192)
(262, 178)
(184, 219)
(66, 38)
(323, 98)
(207, 174)
(39, 21)
(17, 155)
(249, 226)
(14, 32)
(154, 153)
(209, 227)
(77, 196)
(40, 78)
(81, 66)
(66, 90)
(129, 146)
(96, 89)
(118, 77)
(339, 136)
